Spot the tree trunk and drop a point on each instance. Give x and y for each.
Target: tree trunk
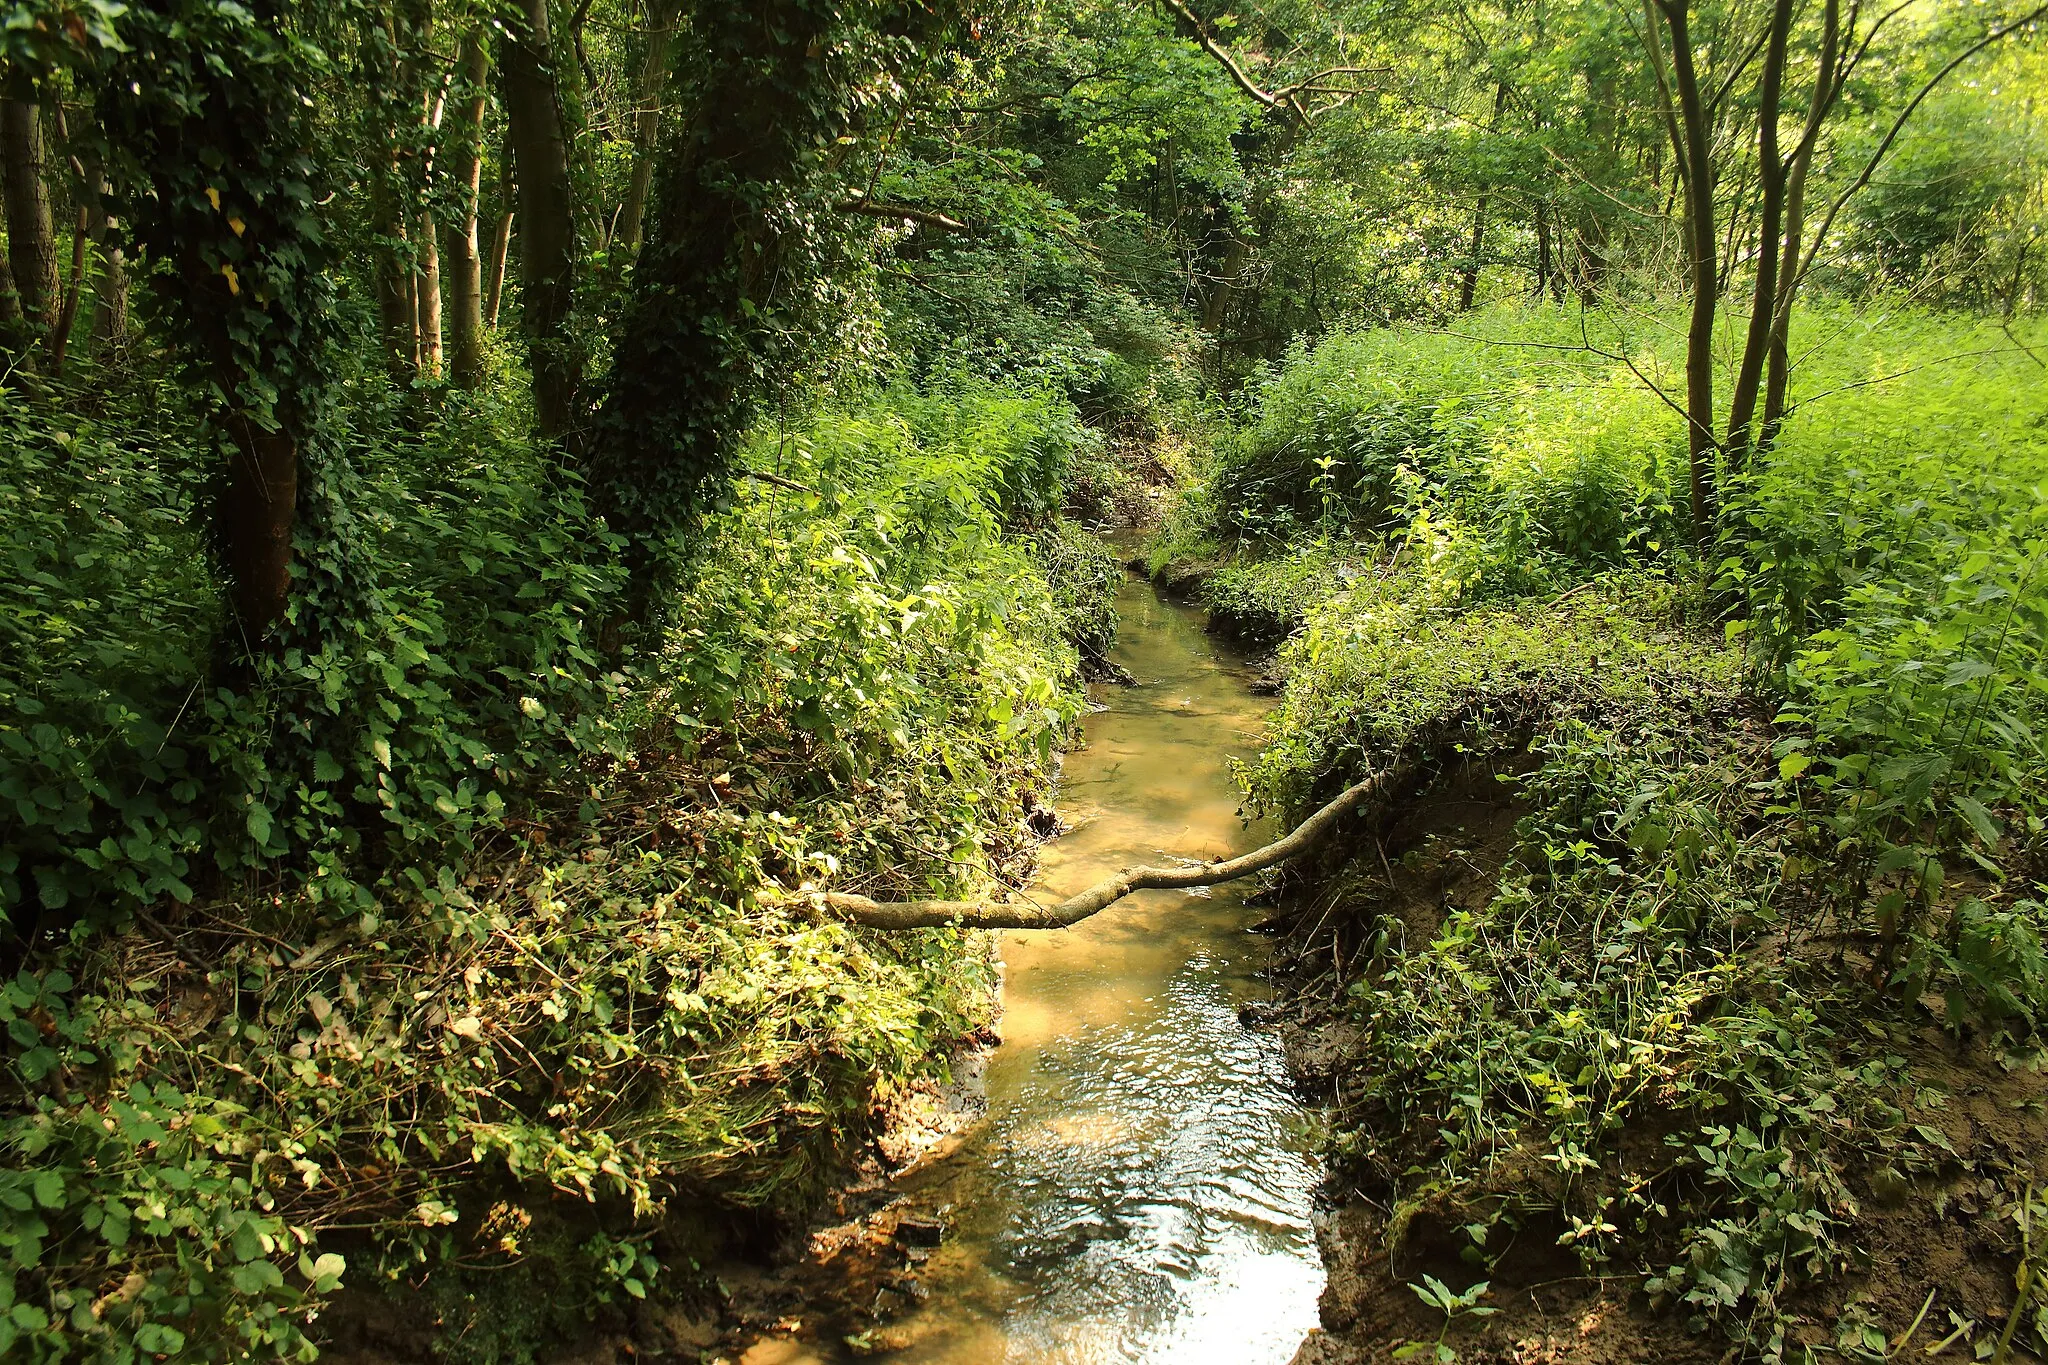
(547, 255)
(67, 315)
(1763, 303)
(1779, 362)
(397, 317)
(257, 509)
(428, 287)
(1468, 275)
(1693, 151)
(648, 92)
(464, 265)
(10, 299)
(110, 286)
(31, 234)
(501, 235)
(1468, 283)
(501, 251)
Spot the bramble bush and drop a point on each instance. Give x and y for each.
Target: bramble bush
(528, 1025)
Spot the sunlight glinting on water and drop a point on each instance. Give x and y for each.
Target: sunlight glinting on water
(1139, 1190)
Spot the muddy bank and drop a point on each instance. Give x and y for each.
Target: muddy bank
(1936, 1244)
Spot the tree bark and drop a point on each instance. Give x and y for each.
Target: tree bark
(547, 255)
(1763, 302)
(427, 287)
(1379, 790)
(1468, 283)
(67, 315)
(110, 285)
(1468, 275)
(1692, 149)
(501, 251)
(31, 233)
(464, 266)
(397, 315)
(501, 235)
(258, 507)
(1778, 363)
(648, 92)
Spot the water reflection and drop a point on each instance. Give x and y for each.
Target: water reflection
(1137, 1192)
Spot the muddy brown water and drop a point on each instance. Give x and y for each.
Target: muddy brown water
(1140, 1187)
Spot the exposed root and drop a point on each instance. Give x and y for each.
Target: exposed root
(1309, 835)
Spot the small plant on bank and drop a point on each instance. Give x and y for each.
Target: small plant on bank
(1455, 1307)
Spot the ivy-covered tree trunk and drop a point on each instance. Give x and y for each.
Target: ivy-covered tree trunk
(31, 234)
(213, 160)
(733, 281)
(547, 212)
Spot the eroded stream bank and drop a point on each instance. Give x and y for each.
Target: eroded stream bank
(1140, 1186)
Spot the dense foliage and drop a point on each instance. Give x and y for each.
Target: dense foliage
(485, 489)
(1765, 794)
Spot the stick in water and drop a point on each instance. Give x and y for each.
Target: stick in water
(1310, 834)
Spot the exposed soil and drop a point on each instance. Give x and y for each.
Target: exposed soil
(1947, 1231)
(845, 1274)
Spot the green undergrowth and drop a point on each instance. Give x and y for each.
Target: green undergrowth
(1775, 810)
(501, 1071)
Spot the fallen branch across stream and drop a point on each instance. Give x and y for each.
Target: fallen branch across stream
(1309, 835)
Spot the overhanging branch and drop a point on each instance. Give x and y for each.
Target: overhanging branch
(879, 208)
(1309, 835)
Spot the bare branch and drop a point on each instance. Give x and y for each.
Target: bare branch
(1222, 55)
(878, 208)
(1309, 835)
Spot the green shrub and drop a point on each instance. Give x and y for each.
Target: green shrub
(137, 773)
(212, 1120)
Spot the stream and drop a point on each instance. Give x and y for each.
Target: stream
(1140, 1187)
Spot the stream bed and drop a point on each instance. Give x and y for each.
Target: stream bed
(1140, 1187)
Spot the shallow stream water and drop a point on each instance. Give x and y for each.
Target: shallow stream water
(1140, 1187)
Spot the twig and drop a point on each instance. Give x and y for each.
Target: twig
(777, 481)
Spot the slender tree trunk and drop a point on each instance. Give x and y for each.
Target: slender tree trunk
(547, 255)
(1763, 303)
(648, 93)
(501, 234)
(429, 290)
(1693, 149)
(110, 287)
(433, 95)
(397, 315)
(1216, 308)
(1468, 274)
(67, 315)
(501, 251)
(1826, 82)
(464, 262)
(1468, 282)
(31, 233)
(110, 281)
